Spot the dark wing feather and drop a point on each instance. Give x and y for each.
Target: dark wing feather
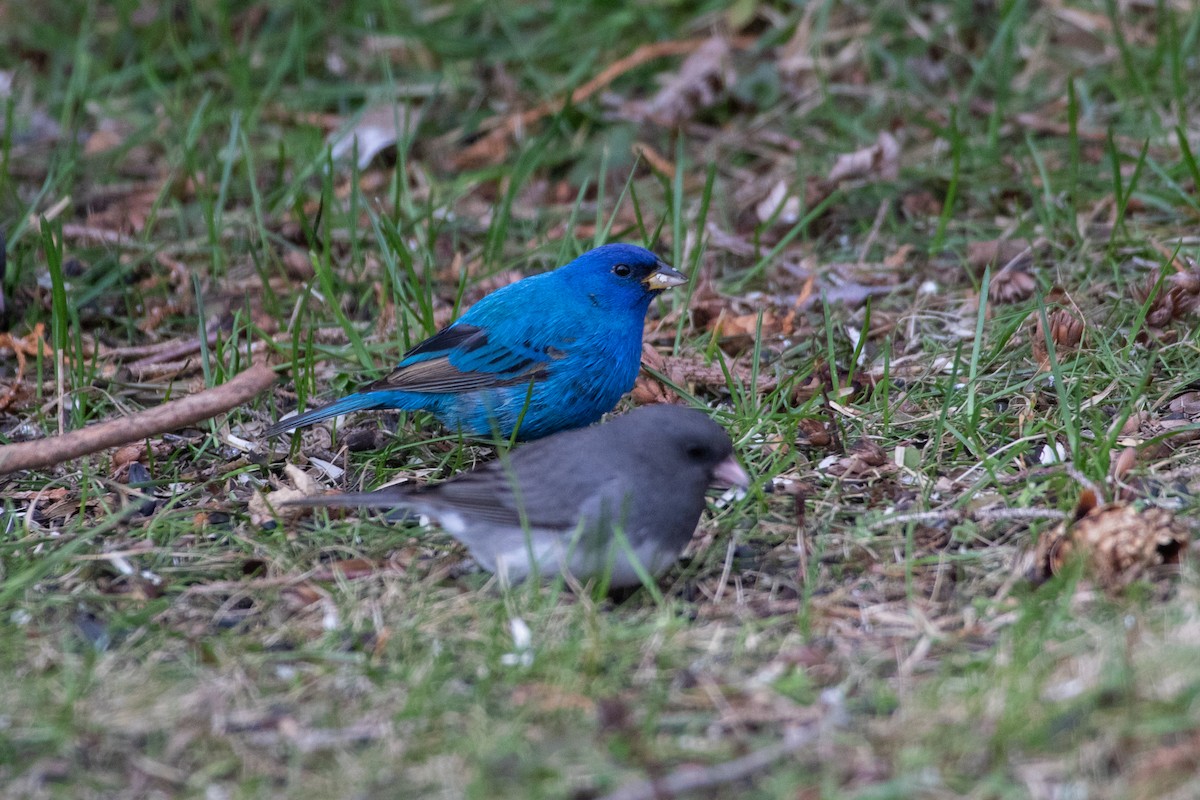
(461, 358)
(549, 480)
(467, 337)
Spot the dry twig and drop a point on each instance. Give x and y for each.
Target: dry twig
(160, 419)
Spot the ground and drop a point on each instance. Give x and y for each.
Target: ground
(942, 293)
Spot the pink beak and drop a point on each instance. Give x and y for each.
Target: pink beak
(729, 473)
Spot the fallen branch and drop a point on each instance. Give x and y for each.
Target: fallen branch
(147, 370)
(144, 354)
(160, 419)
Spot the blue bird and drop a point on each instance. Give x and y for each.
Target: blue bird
(550, 352)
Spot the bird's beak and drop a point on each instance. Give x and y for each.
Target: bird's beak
(729, 473)
(663, 277)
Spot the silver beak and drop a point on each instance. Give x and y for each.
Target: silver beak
(664, 277)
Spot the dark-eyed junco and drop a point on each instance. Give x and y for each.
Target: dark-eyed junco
(583, 500)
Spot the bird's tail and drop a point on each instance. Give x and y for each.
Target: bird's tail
(360, 401)
(404, 507)
(351, 499)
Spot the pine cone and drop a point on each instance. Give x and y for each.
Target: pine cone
(1118, 543)
(1066, 331)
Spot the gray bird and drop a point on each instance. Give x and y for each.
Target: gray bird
(581, 500)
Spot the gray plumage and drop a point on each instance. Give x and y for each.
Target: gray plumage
(563, 502)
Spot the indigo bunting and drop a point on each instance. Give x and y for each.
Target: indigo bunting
(559, 503)
(552, 352)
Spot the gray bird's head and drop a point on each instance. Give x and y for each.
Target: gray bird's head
(683, 442)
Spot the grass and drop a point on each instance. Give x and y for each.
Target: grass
(164, 172)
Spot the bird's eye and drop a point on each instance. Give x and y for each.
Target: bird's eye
(697, 452)
(622, 270)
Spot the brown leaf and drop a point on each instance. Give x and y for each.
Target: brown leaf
(265, 508)
(109, 135)
(741, 330)
(1171, 433)
(376, 130)
(29, 345)
(870, 453)
(863, 458)
(1014, 254)
(899, 258)
(134, 587)
(880, 161)
(1011, 286)
(41, 495)
(1124, 462)
(779, 205)
(140, 451)
(347, 569)
(1135, 422)
(921, 204)
(648, 390)
(699, 83)
(1186, 403)
(1118, 543)
(776, 199)
(302, 595)
(690, 371)
(813, 432)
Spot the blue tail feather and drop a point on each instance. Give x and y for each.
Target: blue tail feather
(360, 401)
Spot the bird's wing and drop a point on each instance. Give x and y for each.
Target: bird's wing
(493, 496)
(465, 358)
(544, 484)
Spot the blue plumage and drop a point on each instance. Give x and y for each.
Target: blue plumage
(561, 347)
